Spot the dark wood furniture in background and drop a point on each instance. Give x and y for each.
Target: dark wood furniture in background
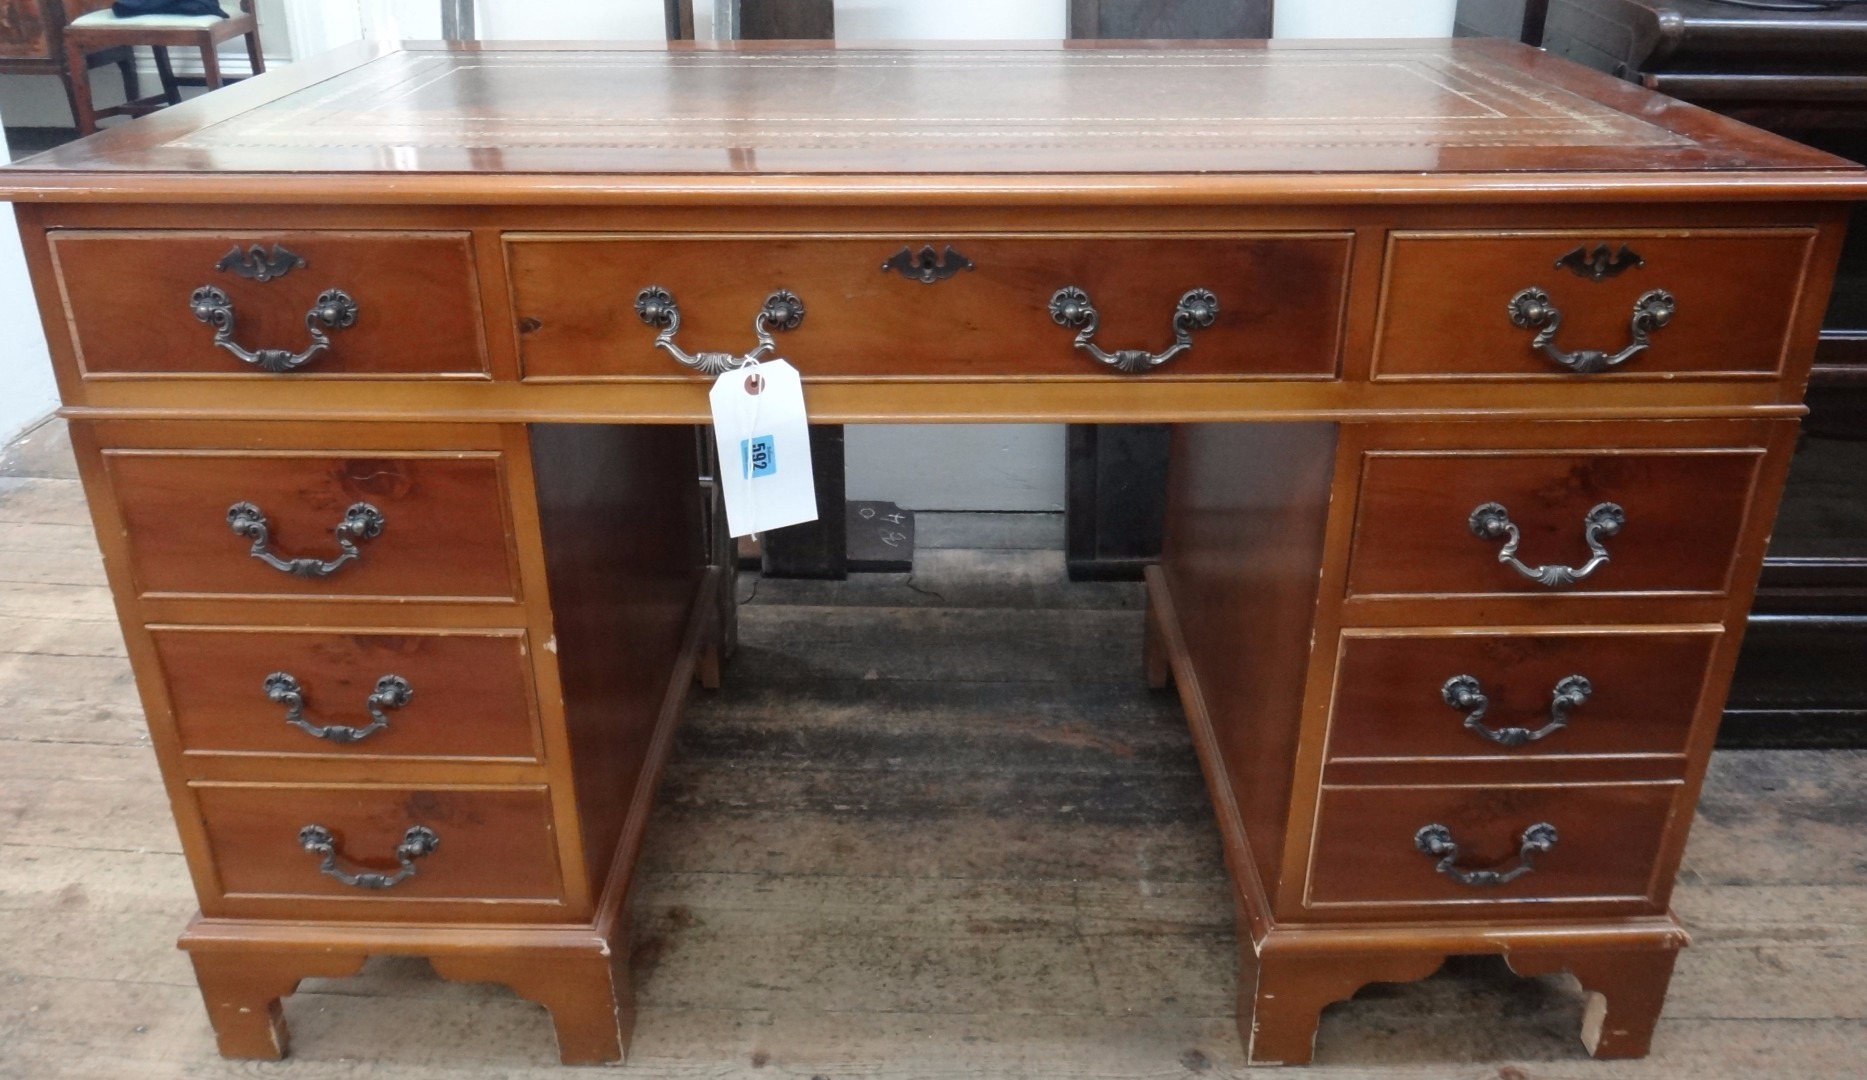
(1137, 20)
(408, 556)
(1802, 74)
(777, 20)
(93, 30)
(1515, 20)
(32, 42)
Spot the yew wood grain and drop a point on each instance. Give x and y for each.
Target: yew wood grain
(620, 516)
(1246, 508)
(495, 845)
(1445, 308)
(1685, 510)
(1364, 859)
(471, 694)
(1281, 299)
(444, 534)
(1645, 686)
(127, 293)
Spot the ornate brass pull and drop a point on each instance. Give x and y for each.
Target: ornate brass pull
(1490, 521)
(334, 310)
(392, 692)
(656, 306)
(361, 522)
(419, 840)
(1435, 842)
(1070, 307)
(1531, 310)
(1463, 693)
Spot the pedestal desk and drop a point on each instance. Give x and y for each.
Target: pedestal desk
(1485, 371)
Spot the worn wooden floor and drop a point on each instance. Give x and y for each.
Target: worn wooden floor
(932, 829)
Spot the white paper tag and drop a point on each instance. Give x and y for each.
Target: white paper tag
(764, 444)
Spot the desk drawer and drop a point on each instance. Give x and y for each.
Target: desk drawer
(1280, 303)
(1438, 695)
(1437, 522)
(489, 844)
(415, 524)
(131, 298)
(1604, 845)
(1447, 308)
(404, 693)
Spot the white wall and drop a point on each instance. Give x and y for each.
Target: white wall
(1362, 18)
(27, 392)
(611, 20)
(528, 20)
(1000, 467)
(874, 20)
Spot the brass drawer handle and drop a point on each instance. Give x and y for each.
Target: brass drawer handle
(1490, 521)
(1531, 310)
(656, 307)
(1435, 842)
(1070, 307)
(392, 692)
(334, 310)
(419, 840)
(1464, 693)
(361, 522)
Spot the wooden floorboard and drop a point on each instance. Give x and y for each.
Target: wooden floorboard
(932, 828)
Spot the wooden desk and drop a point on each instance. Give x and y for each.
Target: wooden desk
(396, 492)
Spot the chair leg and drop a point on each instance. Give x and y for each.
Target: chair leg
(78, 85)
(71, 95)
(170, 88)
(254, 54)
(132, 86)
(210, 66)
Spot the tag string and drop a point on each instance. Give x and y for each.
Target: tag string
(751, 426)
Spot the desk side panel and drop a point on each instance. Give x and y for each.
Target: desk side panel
(619, 511)
(1246, 509)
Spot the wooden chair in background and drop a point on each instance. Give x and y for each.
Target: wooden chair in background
(94, 29)
(32, 42)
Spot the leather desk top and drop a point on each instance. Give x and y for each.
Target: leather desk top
(1302, 120)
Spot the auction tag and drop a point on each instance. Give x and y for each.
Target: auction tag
(764, 443)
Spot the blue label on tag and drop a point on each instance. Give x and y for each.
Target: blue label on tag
(758, 456)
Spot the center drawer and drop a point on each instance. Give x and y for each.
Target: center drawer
(964, 306)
